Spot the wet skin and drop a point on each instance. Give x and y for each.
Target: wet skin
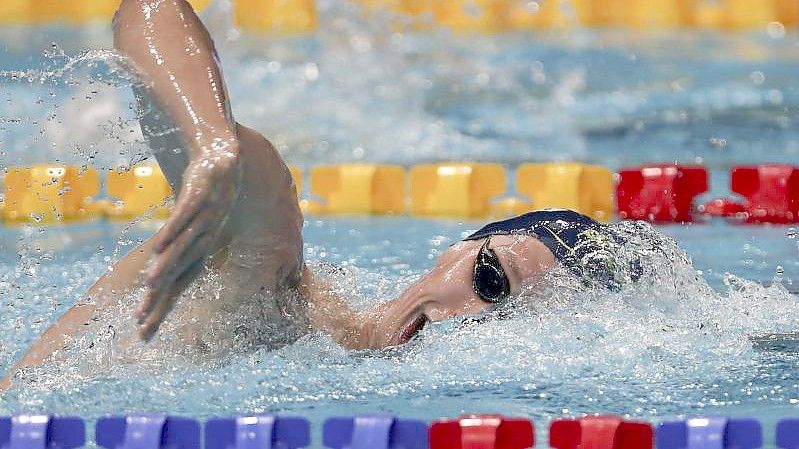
(447, 290)
(236, 210)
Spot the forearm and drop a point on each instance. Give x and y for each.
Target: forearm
(176, 62)
(57, 336)
(106, 292)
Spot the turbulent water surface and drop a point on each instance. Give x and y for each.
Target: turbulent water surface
(707, 330)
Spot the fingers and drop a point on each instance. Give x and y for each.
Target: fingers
(186, 240)
(153, 322)
(173, 260)
(170, 264)
(172, 273)
(205, 187)
(188, 207)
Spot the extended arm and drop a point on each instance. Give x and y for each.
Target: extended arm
(236, 200)
(182, 87)
(107, 290)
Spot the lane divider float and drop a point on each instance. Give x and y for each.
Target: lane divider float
(147, 432)
(292, 17)
(659, 193)
(581, 187)
(140, 190)
(282, 17)
(50, 193)
(770, 193)
(357, 189)
(482, 432)
(257, 432)
(375, 432)
(42, 431)
(600, 432)
(710, 432)
(268, 431)
(74, 12)
(455, 189)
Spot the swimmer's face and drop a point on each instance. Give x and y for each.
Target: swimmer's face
(447, 291)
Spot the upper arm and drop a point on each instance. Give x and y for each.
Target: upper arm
(176, 63)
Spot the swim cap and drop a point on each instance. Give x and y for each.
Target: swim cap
(559, 229)
(586, 247)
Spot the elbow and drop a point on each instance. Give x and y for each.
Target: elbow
(122, 23)
(124, 13)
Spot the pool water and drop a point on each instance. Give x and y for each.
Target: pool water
(707, 331)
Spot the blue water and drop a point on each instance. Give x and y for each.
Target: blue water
(690, 339)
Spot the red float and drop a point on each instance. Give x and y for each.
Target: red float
(771, 192)
(660, 193)
(482, 432)
(600, 432)
(724, 207)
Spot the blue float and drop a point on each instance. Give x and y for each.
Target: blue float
(147, 432)
(788, 433)
(710, 433)
(257, 432)
(375, 432)
(41, 432)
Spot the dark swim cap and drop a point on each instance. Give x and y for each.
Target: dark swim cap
(587, 248)
(560, 230)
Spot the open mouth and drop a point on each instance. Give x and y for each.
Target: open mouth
(412, 329)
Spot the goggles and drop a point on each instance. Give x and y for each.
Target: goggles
(490, 281)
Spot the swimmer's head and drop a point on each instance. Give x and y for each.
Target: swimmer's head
(470, 277)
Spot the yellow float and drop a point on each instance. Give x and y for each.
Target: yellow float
(296, 176)
(788, 12)
(748, 14)
(587, 189)
(542, 14)
(463, 15)
(64, 11)
(50, 193)
(285, 17)
(456, 189)
(15, 12)
(137, 191)
(358, 189)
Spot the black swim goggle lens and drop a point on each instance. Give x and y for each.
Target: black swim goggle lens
(490, 281)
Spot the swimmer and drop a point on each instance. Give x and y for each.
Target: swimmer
(236, 212)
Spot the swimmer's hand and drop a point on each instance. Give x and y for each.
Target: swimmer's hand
(209, 192)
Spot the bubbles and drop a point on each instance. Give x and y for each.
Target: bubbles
(776, 30)
(73, 110)
(757, 77)
(664, 345)
(659, 346)
(532, 7)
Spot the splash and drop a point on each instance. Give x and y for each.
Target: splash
(665, 344)
(360, 90)
(73, 110)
